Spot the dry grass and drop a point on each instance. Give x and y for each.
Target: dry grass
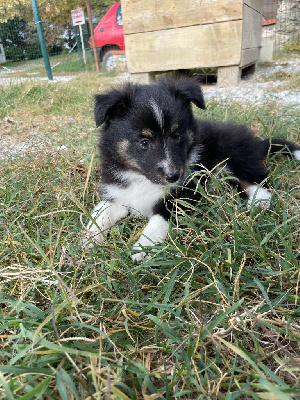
(213, 314)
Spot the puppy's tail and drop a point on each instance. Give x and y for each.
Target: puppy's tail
(275, 145)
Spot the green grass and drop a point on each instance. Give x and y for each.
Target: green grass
(61, 64)
(290, 51)
(213, 314)
(291, 81)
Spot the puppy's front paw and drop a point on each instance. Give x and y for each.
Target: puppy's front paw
(139, 254)
(92, 237)
(155, 232)
(87, 244)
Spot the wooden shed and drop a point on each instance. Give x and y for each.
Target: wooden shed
(168, 35)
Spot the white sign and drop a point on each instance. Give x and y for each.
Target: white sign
(78, 17)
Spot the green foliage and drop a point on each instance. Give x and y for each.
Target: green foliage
(18, 41)
(18, 32)
(293, 47)
(50, 10)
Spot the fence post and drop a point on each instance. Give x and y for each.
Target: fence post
(39, 28)
(88, 7)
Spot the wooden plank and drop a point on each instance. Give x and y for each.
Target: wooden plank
(255, 4)
(146, 16)
(143, 77)
(229, 76)
(252, 27)
(210, 45)
(249, 56)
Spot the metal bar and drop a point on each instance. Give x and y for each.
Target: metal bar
(89, 13)
(82, 43)
(39, 28)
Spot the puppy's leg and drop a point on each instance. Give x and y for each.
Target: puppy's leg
(105, 214)
(155, 232)
(258, 196)
(248, 166)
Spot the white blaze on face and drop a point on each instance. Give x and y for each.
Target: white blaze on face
(167, 164)
(157, 111)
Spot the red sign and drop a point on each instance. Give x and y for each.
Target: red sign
(78, 17)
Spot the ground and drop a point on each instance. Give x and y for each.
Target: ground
(212, 314)
(277, 82)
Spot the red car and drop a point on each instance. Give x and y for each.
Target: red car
(109, 36)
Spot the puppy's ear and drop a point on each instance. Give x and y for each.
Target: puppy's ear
(187, 88)
(113, 104)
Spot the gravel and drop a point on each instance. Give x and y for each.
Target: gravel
(255, 89)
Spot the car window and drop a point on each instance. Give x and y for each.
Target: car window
(119, 16)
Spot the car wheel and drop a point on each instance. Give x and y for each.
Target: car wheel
(108, 62)
(92, 54)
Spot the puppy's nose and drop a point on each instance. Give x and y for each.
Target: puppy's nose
(172, 176)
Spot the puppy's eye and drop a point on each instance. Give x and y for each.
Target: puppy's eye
(144, 144)
(176, 137)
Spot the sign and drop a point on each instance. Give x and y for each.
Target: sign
(78, 17)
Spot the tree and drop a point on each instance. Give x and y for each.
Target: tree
(54, 11)
(18, 30)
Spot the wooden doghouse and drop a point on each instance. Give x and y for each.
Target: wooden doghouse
(168, 35)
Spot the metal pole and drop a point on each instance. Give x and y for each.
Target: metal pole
(82, 43)
(39, 28)
(89, 13)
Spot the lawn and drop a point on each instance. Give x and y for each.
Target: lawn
(61, 64)
(213, 314)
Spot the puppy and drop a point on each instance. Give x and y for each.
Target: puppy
(151, 142)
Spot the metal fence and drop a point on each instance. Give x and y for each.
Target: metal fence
(281, 24)
(20, 52)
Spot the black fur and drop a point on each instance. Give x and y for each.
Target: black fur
(150, 131)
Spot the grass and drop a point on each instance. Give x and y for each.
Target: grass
(291, 50)
(61, 64)
(290, 80)
(213, 314)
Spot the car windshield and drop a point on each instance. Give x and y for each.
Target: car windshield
(119, 16)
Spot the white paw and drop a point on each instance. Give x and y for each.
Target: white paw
(155, 232)
(91, 238)
(138, 256)
(258, 197)
(86, 244)
(297, 154)
(104, 216)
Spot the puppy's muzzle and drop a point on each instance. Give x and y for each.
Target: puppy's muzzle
(172, 176)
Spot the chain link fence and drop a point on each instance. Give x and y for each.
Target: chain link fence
(281, 24)
(20, 52)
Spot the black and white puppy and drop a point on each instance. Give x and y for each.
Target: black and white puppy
(150, 142)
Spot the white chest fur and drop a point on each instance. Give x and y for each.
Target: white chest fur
(139, 196)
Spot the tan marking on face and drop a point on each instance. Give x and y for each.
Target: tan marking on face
(147, 133)
(173, 129)
(190, 135)
(181, 172)
(122, 150)
(122, 147)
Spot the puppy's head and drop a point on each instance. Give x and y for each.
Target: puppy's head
(149, 129)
